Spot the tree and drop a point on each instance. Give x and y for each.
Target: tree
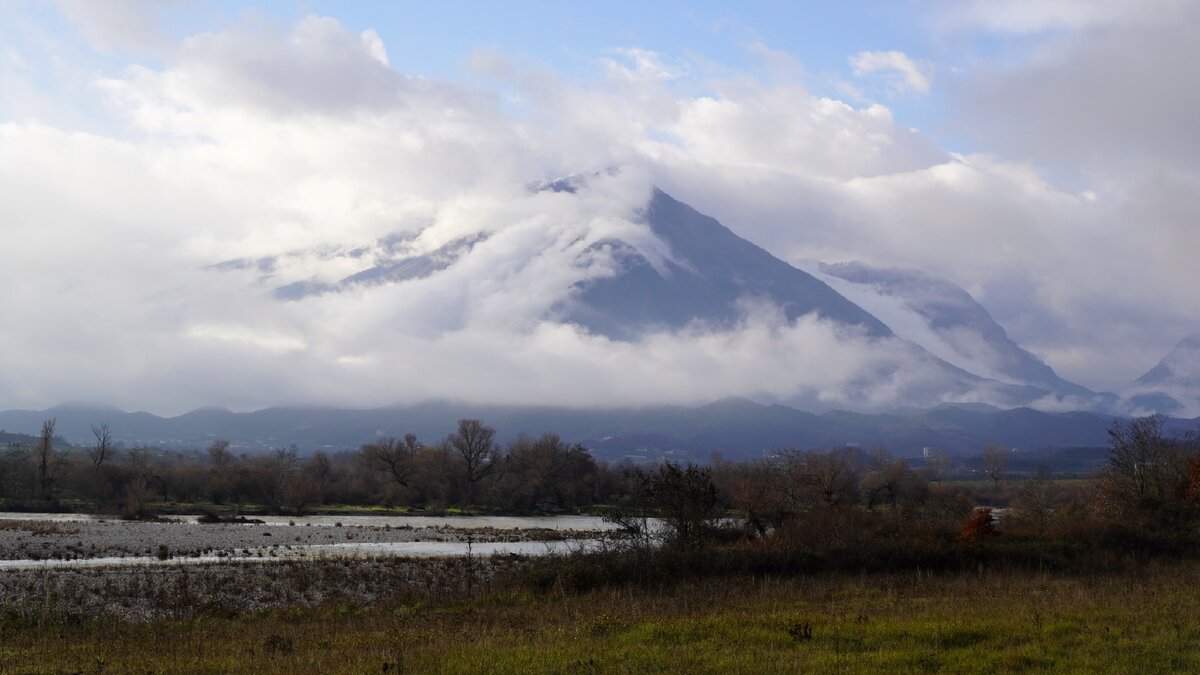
(995, 458)
(393, 456)
(686, 500)
(980, 525)
(825, 478)
(103, 448)
(543, 471)
(473, 443)
(320, 471)
(1035, 502)
(434, 477)
(756, 489)
(219, 454)
(46, 459)
(221, 477)
(1147, 472)
(894, 484)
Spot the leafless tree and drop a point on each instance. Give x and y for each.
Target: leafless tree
(219, 454)
(686, 500)
(995, 458)
(1148, 471)
(825, 478)
(536, 471)
(395, 456)
(46, 459)
(103, 448)
(1035, 502)
(474, 444)
(320, 467)
(894, 484)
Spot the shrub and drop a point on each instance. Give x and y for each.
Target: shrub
(979, 526)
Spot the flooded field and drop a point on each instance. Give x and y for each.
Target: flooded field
(582, 523)
(80, 565)
(406, 549)
(45, 540)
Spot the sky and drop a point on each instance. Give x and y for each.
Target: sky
(1042, 154)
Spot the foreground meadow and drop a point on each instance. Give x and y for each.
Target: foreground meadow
(982, 621)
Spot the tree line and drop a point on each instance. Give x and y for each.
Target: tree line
(1151, 480)
(467, 468)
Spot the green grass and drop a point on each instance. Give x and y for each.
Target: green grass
(990, 622)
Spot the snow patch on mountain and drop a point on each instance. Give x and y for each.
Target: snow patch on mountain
(946, 320)
(1173, 385)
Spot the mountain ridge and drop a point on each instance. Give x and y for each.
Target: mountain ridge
(737, 428)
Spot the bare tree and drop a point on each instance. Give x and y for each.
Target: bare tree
(46, 459)
(219, 454)
(1035, 502)
(995, 458)
(395, 456)
(686, 500)
(757, 489)
(537, 471)
(1148, 471)
(474, 444)
(894, 484)
(825, 478)
(103, 448)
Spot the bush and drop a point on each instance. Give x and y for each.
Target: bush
(978, 527)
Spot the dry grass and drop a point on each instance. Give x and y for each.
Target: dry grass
(38, 527)
(912, 622)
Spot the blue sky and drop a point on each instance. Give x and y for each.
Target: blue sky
(1041, 154)
(437, 40)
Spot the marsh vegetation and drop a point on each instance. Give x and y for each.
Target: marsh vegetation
(827, 560)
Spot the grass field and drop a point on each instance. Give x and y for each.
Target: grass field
(913, 622)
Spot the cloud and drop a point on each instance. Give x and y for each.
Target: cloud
(1108, 98)
(907, 75)
(119, 25)
(300, 146)
(304, 149)
(1038, 16)
(785, 128)
(639, 64)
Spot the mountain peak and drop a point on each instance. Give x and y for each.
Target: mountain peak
(945, 319)
(709, 271)
(1181, 363)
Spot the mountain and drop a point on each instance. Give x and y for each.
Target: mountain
(9, 439)
(704, 274)
(1173, 385)
(395, 267)
(737, 428)
(707, 272)
(672, 268)
(701, 273)
(946, 320)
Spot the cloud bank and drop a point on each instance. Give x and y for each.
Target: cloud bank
(301, 146)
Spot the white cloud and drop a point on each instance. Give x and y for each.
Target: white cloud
(303, 145)
(908, 75)
(785, 128)
(639, 64)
